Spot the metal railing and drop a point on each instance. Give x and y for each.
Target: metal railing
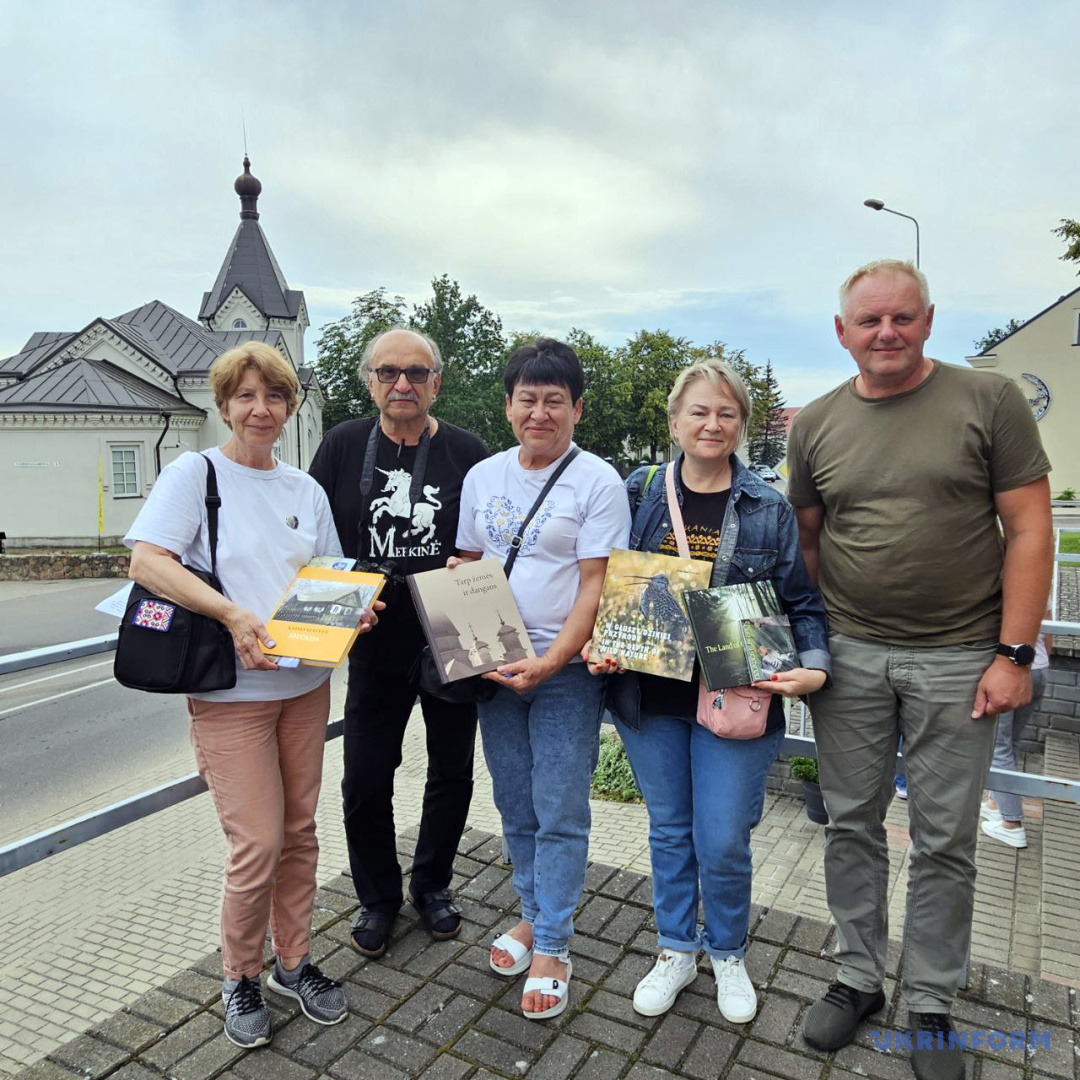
(70, 834)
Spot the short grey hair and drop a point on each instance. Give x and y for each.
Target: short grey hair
(372, 345)
(720, 376)
(886, 266)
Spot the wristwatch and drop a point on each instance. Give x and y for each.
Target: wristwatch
(1020, 655)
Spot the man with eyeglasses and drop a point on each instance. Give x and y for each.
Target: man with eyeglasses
(394, 484)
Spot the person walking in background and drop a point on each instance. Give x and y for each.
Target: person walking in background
(704, 793)
(394, 481)
(260, 745)
(541, 730)
(1003, 812)
(899, 478)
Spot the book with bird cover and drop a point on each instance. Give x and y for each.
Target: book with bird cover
(741, 633)
(642, 621)
(318, 618)
(470, 618)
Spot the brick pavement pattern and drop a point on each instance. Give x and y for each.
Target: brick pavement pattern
(91, 930)
(435, 1010)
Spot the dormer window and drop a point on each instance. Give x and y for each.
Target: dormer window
(239, 324)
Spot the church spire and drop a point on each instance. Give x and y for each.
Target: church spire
(249, 189)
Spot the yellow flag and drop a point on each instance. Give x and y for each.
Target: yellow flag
(100, 501)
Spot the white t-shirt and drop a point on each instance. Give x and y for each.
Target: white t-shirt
(271, 522)
(584, 516)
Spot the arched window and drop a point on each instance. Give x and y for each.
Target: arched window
(239, 324)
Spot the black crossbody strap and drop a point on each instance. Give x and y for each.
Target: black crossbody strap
(213, 504)
(515, 544)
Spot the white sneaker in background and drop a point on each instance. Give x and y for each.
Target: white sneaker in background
(1013, 837)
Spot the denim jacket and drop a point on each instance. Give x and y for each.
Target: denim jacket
(759, 539)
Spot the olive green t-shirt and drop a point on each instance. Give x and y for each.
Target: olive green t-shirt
(910, 551)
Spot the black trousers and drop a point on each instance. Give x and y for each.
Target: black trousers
(376, 713)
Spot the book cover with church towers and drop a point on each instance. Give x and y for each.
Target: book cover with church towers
(470, 619)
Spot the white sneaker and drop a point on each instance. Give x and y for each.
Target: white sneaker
(1013, 837)
(989, 813)
(735, 994)
(656, 993)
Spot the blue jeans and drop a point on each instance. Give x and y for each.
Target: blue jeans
(541, 750)
(704, 794)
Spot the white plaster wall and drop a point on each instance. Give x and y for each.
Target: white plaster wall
(1048, 348)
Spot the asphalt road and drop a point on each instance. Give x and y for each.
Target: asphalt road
(37, 613)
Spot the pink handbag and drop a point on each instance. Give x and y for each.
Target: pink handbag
(740, 712)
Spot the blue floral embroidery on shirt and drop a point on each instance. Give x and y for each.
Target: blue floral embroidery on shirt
(503, 519)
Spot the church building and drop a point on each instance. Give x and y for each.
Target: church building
(89, 417)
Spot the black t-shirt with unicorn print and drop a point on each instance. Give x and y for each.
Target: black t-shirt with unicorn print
(414, 537)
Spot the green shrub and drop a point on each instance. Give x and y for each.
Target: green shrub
(613, 778)
(803, 768)
(1068, 495)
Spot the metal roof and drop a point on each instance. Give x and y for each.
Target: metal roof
(41, 345)
(81, 385)
(251, 267)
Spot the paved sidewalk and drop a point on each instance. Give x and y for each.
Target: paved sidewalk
(435, 1010)
(91, 930)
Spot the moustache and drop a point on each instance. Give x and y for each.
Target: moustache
(397, 396)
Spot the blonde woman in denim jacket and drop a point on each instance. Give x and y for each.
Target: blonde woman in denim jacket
(704, 793)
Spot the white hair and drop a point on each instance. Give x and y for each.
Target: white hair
(886, 266)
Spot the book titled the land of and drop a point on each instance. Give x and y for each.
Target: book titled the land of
(641, 621)
(318, 618)
(470, 619)
(741, 633)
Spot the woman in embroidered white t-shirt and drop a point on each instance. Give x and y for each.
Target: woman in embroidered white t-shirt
(541, 730)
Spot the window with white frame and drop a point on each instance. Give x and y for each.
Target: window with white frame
(239, 324)
(125, 471)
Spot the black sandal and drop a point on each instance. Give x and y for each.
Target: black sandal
(370, 934)
(438, 913)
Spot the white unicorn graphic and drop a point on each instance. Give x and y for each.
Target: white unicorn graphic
(396, 504)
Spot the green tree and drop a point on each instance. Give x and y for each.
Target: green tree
(770, 441)
(474, 352)
(340, 346)
(1069, 231)
(992, 337)
(651, 362)
(606, 418)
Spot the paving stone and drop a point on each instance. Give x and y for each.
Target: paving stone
(402, 1051)
(609, 1032)
(814, 966)
(485, 883)
(496, 1053)
(366, 1001)
(90, 1057)
(645, 1072)
(761, 958)
(47, 1070)
(995, 1070)
(810, 934)
(601, 1065)
(799, 985)
(670, 1041)
(710, 1053)
(362, 1066)
(207, 1061)
(128, 1031)
(858, 1059)
(773, 1059)
(591, 918)
(627, 973)
(163, 1008)
(446, 1067)
(623, 884)
(483, 984)
(381, 976)
(266, 1064)
(624, 924)
(194, 986)
(329, 1043)
(601, 951)
(776, 926)
(1049, 1001)
(617, 1007)
(1006, 989)
(445, 1026)
(1054, 1056)
(560, 1059)
(596, 875)
(421, 1007)
(515, 1028)
(182, 1041)
(776, 1019)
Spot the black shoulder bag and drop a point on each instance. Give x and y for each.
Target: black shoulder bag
(164, 648)
(476, 689)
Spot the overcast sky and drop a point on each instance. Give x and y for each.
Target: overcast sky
(694, 167)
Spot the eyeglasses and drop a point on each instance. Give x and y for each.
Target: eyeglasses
(387, 373)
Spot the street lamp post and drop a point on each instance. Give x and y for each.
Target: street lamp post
(877, 204)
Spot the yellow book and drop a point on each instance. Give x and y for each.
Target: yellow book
(318, 618)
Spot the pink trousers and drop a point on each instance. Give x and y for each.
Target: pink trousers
(262, 761)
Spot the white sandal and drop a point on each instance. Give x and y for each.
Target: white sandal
(519, 952)
(550, 987)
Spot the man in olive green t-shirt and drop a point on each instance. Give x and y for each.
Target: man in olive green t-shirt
(899, 478)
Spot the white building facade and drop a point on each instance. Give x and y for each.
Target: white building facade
(88, 418)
